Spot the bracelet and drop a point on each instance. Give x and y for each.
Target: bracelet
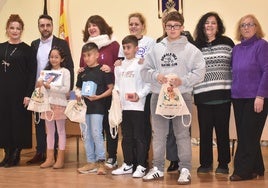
(259, 97)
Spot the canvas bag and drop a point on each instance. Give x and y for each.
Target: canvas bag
(115, 114)
(39, 103)
(171, 103)
(76, 112)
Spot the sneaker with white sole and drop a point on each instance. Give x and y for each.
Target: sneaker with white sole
(185, 177)
(124, 169)
(139, 172)
(153, 174)
(111, 163)
(88, 168)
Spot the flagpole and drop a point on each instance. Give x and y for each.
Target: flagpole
(45, 7)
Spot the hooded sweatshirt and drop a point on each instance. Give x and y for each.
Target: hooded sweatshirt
(178, 57)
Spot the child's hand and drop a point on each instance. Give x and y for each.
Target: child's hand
(93, 97)
(175, 82)
(81, 69)
(46, 85)
(141, 61)
(132, 97)
(161, 79)
(118, 62)
(105, 68)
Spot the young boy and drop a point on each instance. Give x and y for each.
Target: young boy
(94, 142)
(174, 54)
(132, 90)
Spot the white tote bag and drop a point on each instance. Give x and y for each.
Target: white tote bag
(115, 113)
(39, 103)
(171, 103)
(76, 111)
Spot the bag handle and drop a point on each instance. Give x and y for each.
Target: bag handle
(182, 119)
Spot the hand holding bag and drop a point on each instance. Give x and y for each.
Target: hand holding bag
(171, 103)
(39, 102)
(115, 114)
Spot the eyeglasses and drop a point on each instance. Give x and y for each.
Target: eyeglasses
(247, 25)
(175, 27)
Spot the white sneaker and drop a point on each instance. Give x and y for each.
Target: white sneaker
(140, 172)
(111, 163)
(185, 177)
(124, 169)
(153, 174)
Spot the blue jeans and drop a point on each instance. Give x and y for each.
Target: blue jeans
(93, 138)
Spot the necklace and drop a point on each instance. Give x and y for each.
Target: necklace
(5, 62)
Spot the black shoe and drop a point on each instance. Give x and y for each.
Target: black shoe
(220, 170)
(14, 158)
(38, 158)
(204, 170)
(173, 166)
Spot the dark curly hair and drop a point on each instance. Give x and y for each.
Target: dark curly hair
(199, 33)
(102, 25)
(62, 55)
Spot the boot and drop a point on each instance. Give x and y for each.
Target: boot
(49, 160)
(60, 160)
(6, 158)
(38, 158)
(14, 158)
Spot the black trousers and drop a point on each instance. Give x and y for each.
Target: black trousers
(41, 136)
(214, 116)
(134, 142)
(111, 144)
(249, 127)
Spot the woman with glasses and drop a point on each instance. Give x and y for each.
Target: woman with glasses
(213, 95)
(249, 94)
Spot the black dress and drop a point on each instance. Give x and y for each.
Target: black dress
(17, 80)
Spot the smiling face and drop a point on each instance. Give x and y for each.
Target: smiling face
(93, 30)
(247, 28)
(14, 31)
(55, 59)
(135, 27)
(211, 28)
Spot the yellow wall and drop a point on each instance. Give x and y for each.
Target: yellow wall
(116, 12)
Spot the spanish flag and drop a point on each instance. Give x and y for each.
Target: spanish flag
(63, 31)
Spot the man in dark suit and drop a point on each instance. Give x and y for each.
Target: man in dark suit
(42, 47)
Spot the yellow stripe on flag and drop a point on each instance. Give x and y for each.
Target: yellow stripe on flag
(63, 29)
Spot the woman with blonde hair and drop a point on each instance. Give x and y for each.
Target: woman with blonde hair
(249, 94)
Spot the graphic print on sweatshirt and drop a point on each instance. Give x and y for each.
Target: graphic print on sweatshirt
(169, 60)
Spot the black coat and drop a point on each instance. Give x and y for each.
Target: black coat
(69, 64)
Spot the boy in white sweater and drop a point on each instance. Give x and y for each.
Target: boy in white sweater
(132, 90)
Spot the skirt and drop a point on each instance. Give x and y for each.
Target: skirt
(57, 114)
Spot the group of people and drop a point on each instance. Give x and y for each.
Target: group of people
(212, 70)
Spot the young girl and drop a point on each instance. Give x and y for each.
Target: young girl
(58, 103)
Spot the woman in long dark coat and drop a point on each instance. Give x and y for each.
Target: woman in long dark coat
(17, 80)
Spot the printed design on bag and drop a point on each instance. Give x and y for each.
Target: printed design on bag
(38, 96)
(170, 97)
(78, 106)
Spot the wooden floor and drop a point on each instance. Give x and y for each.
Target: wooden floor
(25, 176)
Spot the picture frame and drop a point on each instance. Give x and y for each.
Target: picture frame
(167, 5)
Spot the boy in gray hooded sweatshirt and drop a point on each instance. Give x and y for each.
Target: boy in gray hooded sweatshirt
(174, 54)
